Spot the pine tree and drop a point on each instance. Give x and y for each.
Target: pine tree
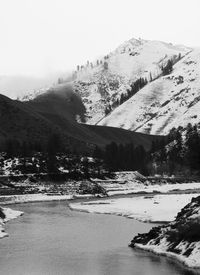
(105, 65)
(97, 153)
(193, 151)
(60, 80)
(168, 68)
(150, 77)
(85, 167)
(53, 147)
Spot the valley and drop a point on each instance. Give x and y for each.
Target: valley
(121, 136)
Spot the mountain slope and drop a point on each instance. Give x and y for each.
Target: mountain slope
(60, 100)
(98, 88)
(101, 85)
(34, 121)
(167, 102)
(20, 122)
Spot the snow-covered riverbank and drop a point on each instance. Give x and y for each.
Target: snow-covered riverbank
(148, 208)
(151, 207)
(130, 188)
(179, 239)
(12, 199)
(158, 208)
(7, 214)
(121, 186)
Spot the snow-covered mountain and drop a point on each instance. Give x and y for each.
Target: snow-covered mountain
(162, 103)
(102, 84)
(169, 101)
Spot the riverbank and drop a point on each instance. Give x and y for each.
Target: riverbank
(15, 199)
(148, 208)
(7, 214)
(52, 239)
(167, 240)
(147, 203)
(189, 263)
(179, 239)
(31, 198)
(119, 183)
(137, 187)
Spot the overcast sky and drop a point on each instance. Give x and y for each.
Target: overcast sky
(42, 36)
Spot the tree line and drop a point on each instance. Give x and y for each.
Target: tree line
(180, 152)
(119, 157)
(135, 87)
(176, 153)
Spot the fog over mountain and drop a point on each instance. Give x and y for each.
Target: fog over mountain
(14, 86)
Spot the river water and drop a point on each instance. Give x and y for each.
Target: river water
(51, 239)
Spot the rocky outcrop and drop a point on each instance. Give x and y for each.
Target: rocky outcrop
(179, 239)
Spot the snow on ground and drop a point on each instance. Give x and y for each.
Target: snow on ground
(33, 198)
(135, 58)
(119, 187)
(164, 103)
(179, 239)
(132, 182)
(192, 261)
(158, 208)
(9, 215)
(131, 188)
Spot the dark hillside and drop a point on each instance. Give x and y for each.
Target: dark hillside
(35, 120)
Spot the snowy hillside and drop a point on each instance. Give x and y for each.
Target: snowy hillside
(162, 103)
(178, 239)
(101, 84)
(167, 102)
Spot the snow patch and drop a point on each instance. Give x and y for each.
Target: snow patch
(158, 208)
(9, 215)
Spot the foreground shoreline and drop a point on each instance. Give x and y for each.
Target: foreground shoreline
(112, 208)
(91, 200)
(178, 258)
(9, 215)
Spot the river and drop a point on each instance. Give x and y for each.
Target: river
(51, 239)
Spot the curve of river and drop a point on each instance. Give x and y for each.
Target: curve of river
(51, 239)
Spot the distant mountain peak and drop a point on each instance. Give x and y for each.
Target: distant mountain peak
(129, 45)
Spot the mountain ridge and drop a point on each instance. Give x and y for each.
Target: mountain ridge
(128, 89)
(26, 122)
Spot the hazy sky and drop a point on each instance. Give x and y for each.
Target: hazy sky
(42, 36)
